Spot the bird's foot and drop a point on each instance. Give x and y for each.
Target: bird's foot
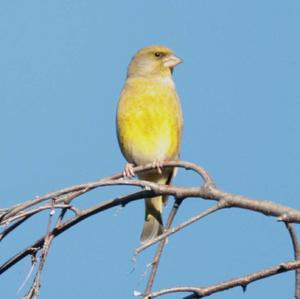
(128, 171)
(158, 166)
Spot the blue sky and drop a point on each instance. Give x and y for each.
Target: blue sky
(62, 66)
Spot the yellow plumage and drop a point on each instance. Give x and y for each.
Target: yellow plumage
(149, 122)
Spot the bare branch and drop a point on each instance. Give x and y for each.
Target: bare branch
(296, 248)
(207, 191)
(13, 217)
(71, 222)
(36, 285)
(160, 249)
(179, 227)
(83, 188)
(201, 292)
(13, 226)
(25, 215)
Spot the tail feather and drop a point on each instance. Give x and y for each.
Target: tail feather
(153, 225)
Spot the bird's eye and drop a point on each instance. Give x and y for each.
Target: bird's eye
(158, 54)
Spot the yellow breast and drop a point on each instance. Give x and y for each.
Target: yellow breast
(149, 121)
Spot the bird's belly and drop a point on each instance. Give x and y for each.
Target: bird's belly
(154, 147)
(149, 137)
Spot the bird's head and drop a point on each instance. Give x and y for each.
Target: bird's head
(153, 61)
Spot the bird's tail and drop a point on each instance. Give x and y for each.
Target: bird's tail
(153, 225)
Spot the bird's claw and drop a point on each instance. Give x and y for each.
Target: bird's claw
(158, 165)
(128, 171)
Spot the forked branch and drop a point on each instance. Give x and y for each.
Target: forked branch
(63, 200)
(243, 281)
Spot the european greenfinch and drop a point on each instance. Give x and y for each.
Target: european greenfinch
(149, 124)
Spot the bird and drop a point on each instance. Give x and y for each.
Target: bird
(149, 125)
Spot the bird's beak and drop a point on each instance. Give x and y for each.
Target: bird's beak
(172, 60)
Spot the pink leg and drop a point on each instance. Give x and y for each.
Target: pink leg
(158, 165)
(128, 170)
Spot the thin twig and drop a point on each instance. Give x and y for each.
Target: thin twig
(31, 212)
(160, 248)
(220, 205)
(83, 188)
(13, 226)
(36, 285)
(33, 264)
(296, 248)
(85, 213)
(243, 281)
(25, 215)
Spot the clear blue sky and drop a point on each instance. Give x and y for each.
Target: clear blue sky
(62, 66)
